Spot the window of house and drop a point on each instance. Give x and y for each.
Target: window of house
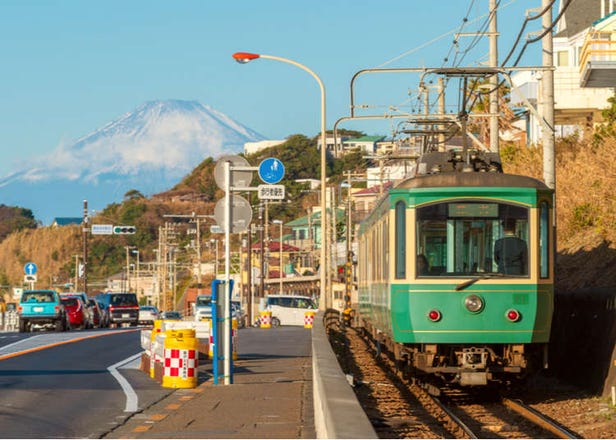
(562, 58)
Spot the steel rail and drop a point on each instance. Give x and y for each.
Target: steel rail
(536, 417)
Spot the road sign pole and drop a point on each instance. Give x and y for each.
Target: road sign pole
(228, 374)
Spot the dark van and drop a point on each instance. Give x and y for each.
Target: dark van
(119, 309)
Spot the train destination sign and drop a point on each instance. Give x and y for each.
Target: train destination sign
(473, 210)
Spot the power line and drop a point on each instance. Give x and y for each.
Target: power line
(440, 37)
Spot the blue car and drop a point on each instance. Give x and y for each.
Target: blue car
(40, 309)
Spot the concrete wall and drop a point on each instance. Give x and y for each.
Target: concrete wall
(337, 413)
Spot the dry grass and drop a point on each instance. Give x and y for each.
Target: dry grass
(586, 208)
(586, 216)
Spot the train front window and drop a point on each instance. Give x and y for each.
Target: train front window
(470, 238)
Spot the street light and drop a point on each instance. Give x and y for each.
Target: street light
(280, 271)
(245, 57)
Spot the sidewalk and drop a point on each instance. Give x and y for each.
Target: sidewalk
(271, 396)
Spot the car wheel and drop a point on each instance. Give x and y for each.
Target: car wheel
(275, 322)
(22, 325)
(60, 326)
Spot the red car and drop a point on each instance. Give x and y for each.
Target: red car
(75, 311)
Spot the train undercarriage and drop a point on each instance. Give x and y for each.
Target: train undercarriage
(463, 364)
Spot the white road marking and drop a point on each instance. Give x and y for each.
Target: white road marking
(131, 397)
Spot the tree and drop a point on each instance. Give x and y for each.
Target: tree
(133, 194)
(608, 128)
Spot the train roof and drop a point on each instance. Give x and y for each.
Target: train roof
(471, 179)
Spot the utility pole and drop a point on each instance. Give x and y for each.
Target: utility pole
(249, 280)
(128, 286)
(441, 112)
(195, 218)
(262, 259)
(349, 253)
(494, 144)
(76, 285)
(85, 231)
(549, 170)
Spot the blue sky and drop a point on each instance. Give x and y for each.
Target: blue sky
(71, 66)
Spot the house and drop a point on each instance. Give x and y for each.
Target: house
(365, 144)
(333, 146)
(585, 62)
(65, 221)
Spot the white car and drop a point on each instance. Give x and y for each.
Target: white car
(148, 314)
(203, 307)
(289, 309)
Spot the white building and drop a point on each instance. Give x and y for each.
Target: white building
(584, 57)
(255, 147)
(333, 146)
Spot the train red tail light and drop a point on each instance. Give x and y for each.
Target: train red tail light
(434, 315)
(513, 315)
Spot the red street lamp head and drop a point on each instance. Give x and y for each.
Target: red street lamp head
(245, 57)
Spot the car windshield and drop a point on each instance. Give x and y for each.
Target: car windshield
(204, 301)
(38, 297)
(123, 300)
(71, 302)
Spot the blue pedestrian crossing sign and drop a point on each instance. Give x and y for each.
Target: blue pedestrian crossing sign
(30, 269)
(271, 170)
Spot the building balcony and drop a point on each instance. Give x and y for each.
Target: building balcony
(598, 60)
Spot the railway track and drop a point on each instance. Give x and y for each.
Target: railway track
(401, 409)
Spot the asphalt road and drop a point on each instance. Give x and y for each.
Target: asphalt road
(68, 390)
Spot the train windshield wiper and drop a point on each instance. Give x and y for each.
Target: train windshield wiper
(472, 281)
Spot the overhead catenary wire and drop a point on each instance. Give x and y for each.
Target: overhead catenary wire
(440, 37)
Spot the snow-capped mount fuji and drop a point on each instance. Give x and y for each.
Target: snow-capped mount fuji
(149, 149)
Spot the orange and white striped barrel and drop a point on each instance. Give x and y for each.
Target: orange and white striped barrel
(266, 319)
(181, 359)
(308, 319)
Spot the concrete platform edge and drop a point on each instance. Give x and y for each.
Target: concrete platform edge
(337, 412)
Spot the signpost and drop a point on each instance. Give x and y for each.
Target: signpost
(271, 170)
(30, 274)
(102, 230)
(234, 214)
(30, 269)
(271, 192)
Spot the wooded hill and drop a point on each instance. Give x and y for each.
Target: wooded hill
(586, 213)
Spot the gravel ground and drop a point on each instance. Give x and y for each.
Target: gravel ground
(586, 415)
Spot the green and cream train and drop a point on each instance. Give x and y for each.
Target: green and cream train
(455, 270)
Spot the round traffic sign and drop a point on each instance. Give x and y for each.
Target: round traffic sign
(30, 268)
(238, 178)
(271, 170)
(241, 214)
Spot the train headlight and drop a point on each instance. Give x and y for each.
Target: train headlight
(434, 315)
(513, 315)
(473, 303)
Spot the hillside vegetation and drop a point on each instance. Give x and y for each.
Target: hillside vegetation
(586, 214)
(586, 207)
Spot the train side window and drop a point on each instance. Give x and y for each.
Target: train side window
(400, 240)
(544, 240)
